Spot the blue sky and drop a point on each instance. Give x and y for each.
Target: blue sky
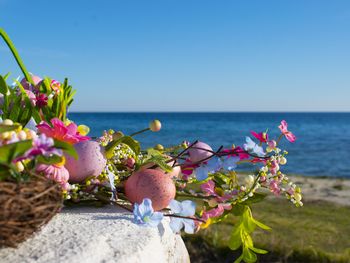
(187, 55)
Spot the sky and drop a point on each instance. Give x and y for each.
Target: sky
(186, 55)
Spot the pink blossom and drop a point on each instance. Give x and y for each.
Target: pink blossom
(57, 173)
(62, 132)
(55, 85)
(274, 188)
(284, 129)
(272, 144)
(274, 167)
(262, 136)
(238, 151)
(43, 145)
(41, 100)
(209, 188)
(216, 212)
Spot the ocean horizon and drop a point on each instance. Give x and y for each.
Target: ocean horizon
(321, 149)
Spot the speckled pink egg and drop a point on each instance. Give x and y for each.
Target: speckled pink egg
(35, 79)
(197, 155)
(153, 184)
(91, 161)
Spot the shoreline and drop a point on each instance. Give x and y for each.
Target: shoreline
(331, 189)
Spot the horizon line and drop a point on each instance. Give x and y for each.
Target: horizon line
(210, 111)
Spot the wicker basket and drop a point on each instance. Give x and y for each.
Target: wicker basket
(25, 207)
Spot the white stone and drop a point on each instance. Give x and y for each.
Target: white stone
(105, 234)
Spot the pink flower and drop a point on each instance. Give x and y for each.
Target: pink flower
(262, 136)
(209, 188)
(55, 172)
(62, 132)
(274, 188)
(284, 129)
(216, 212)
(55, 85)
(238, 151)
(274, 167)
(41, 100)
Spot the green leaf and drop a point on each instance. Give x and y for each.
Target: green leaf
(257, 197)
(66, 147)
(259, 250)
(3, 86)
(235, 239)
(49, 160)
(132, 143)
(249, 256)
(248, 223)
(261, 225)
(9, 152)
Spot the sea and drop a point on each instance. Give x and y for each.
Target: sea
(322, 147)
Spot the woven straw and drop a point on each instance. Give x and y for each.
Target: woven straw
(25, 207)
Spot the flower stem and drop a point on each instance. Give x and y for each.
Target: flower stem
(135, 133)
(16, 55)
(185, 217)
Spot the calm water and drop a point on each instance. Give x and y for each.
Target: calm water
(322, 146)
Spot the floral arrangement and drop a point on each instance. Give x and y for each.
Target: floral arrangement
(191, 183)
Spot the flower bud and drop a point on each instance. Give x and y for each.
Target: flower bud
(283, 160)
(155, 126)
(159, 147)
(7, 122)
(19, 166)
(272, 144)
(297, 197)
(130, 162)
(22, 135)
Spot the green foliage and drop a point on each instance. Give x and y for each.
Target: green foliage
(157, 158)
(127, 140)
(16, 103)
(10, 152)
(58, 102)
(317, 232)
(241, 235)
(66, 147)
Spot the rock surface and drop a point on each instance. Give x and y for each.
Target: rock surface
(98, 235)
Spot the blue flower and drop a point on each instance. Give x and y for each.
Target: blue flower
(230, 163)
(185, 208)
(145, 215)
(212, 166)
(252, 147)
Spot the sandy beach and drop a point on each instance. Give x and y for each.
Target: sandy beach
(336, 190)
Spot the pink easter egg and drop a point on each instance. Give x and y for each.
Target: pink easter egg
(91, 161)
(152, 184)
(35, 79)
(197, 155)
